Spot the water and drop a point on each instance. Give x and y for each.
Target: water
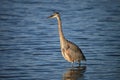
(29, 42)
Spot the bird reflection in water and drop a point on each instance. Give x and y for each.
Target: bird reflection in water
(74, 73)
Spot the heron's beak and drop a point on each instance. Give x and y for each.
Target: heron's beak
(51, 16)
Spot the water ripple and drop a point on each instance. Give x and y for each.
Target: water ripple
(30, 47)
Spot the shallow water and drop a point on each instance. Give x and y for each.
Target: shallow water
(29, 42)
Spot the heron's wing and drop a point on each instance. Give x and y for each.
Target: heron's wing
(70, 52)
(75, 51)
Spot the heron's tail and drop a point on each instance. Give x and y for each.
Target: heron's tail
(84, 58)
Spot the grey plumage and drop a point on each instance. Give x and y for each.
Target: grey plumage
(70, 51)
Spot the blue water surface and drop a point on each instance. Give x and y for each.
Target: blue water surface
(30, 47)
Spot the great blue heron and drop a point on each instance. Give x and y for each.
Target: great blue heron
(70, 51)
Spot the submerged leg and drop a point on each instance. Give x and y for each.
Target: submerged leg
(72, 64)
(79, 63)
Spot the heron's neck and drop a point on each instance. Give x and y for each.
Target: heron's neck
(62, 38)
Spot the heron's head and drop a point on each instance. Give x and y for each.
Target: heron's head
(54, 15)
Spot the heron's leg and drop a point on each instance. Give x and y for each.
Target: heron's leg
(79, 63)
(72, 64)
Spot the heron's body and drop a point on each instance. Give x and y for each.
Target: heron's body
(70, 51)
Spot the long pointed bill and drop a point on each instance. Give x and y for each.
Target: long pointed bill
(51, 16)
